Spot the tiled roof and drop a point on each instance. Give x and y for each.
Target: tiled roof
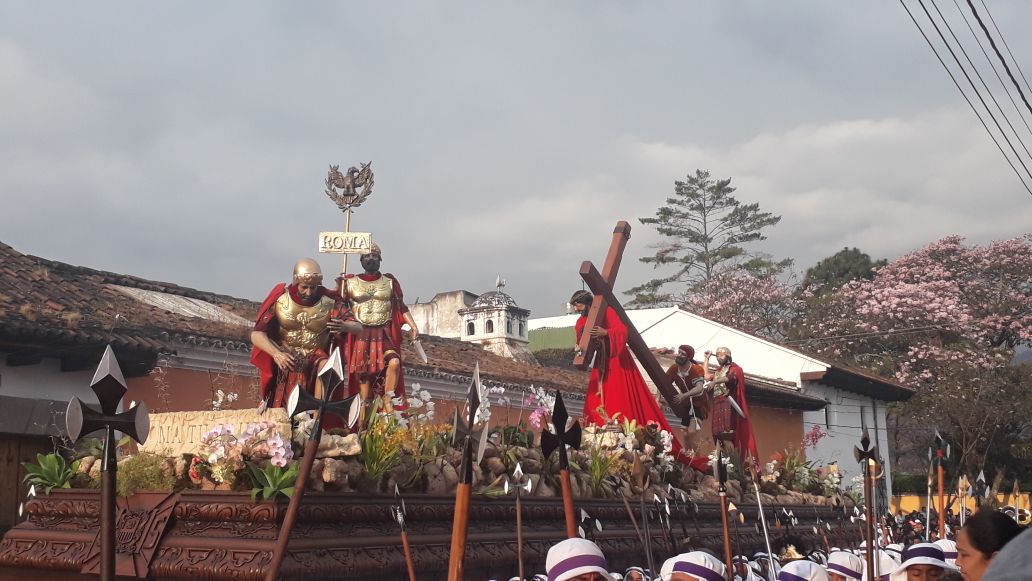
(59, 307)
(455, 360)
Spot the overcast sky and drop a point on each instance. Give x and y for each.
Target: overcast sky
(189, 142)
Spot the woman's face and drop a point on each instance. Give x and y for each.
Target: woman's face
(971, 561)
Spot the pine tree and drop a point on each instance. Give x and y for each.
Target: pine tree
(705, 228)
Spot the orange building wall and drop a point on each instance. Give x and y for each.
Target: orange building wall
(190, 390)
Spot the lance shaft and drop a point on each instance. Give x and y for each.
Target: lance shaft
(727, 532)
(280, 552)
(408, 556)
(870, 521)
(942, 499)
(460, 525)
(763, 518)
(648, 534)
(564, 482)
(519, 533)
(107, 507)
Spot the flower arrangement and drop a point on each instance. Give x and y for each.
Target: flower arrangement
(222, 453)
(419, 408)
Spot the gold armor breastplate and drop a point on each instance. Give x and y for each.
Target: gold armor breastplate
(371, 300)
(721, 388)
(303, 328)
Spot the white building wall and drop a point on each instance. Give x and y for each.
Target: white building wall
(440, 316)
(844, 424)
(45, 380)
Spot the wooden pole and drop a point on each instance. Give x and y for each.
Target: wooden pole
(942, 499)
(571, 522)
(109, 470)
(519, 535)
(283, 538)
(727, 533)
(459, 528)
(408, 556)
(870, 519)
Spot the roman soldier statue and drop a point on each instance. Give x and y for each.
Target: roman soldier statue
(296, 327)
(375, 301)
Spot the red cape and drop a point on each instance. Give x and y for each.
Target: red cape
(625, 391)
(745, 441)
(260, 359)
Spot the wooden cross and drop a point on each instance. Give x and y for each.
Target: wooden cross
(602, 287)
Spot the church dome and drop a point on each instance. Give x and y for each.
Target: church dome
(495, 299)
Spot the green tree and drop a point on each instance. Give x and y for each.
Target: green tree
(836, 270)
(705, 228)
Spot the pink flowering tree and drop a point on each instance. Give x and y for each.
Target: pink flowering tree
(761, 304)
(944, 319)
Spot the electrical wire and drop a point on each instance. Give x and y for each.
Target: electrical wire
(887, 332)
(1005, 45)
(966, 98)
(992, 65)
(973, 87)
(992, 43)
(963, 51)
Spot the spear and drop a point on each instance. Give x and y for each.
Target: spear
(332, 376)
(738, 518)
(639, 474)
(398, 511)
(865, 454)
(562, 438)
(753, 472)
(928, 507)
(722, 491)
(940, 456)
(519, 486)
(464, 490)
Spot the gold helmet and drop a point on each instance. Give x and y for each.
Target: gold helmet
(307, 271)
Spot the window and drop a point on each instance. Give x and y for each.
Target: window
(521, 329)
(470, 328)
(490, 326)
(508, 326)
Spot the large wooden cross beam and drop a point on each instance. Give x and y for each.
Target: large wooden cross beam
(597, 312)
(601, 286)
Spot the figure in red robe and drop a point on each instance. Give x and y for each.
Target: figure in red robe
(296, 328)
(730, 424)
(616, 389)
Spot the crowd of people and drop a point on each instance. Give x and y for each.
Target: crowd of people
(990, 546)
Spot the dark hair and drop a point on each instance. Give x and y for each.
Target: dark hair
(583, 297)
(988, 531)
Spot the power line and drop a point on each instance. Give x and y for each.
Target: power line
(888, 332)
(966, 98)
(992, 43)
(992, 65)
(973, 87)
(1005, 45)
(979, 75)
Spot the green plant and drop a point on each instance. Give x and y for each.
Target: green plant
(51, 471)
(272, 480)
(602, 463)
(145, 472)
(381, 446)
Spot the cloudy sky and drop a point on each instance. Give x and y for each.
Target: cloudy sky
(189, 142)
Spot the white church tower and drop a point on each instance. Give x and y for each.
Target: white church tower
(496, 322)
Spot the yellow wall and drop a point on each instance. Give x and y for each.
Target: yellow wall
(911, 502)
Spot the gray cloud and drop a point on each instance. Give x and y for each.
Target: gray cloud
(188, 143)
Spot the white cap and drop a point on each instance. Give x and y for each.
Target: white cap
(921, 554)
(572, 557)
(884, 565)
(949, 550)
(700, 565)
(846, 564)
(802, 570)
